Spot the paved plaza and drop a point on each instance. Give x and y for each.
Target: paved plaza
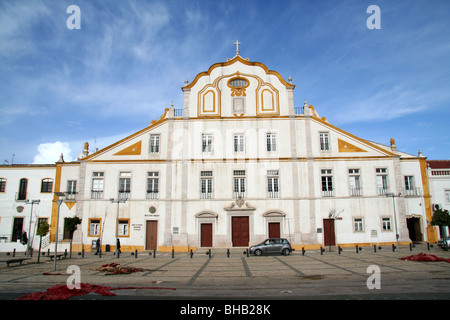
(311, 275)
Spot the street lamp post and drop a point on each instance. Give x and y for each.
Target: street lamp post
(117, 221)
(391, 194)
(61, 196)
(32, 202)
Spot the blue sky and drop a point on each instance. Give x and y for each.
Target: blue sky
(61, 87)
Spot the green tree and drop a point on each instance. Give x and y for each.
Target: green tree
(441, 218)
(71, 224)
(42, 232)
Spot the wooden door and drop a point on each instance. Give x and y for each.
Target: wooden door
(206, 234)
(328, 232)
(274, 229)
(240, 231)
(151, 235)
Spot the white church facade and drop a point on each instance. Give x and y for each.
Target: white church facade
(238, 163)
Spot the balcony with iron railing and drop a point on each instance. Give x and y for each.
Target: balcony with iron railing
(151, 194)
(70, 195)
(124, 195)
(412, 192)
(97, 194)
(356, 192)
(328, 193)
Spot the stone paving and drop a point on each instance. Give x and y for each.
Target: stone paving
(240, 277)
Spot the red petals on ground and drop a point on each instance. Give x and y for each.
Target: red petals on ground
(425, 257)
(62, 292)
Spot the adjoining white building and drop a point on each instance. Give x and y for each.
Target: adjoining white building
(237, 164)
(439, 181)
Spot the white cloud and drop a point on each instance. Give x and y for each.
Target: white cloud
(49, 153)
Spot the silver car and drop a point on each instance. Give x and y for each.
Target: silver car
(272, 245)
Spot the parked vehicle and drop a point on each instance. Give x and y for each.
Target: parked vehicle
(441, 242)
(272, 245)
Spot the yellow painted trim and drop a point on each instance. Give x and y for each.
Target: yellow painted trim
(431, 231)
(353, 136)
(133, 150)
(89, 228)
(70, 204)
(262, 101)
(344, 146)
(132, 136)
(232, 61)
(176, 248)
(129, 229)
(213, 102)
(56, 188)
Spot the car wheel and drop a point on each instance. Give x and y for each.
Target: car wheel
(258, 252)
(285, 252)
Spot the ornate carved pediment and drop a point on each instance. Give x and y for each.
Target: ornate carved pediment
(239, 205)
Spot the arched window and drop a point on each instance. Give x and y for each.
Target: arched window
(46, 185)
(23, 185)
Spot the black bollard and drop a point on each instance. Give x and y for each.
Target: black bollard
(173, 253)
(154, 253)
(82, 253)
(393, 248)
(339, 249)
(357, 249)
(135, 254)
(192, 253)
(303, 251)
(375, 248)
(228, 253)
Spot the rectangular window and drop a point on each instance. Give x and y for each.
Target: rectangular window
(2, 185)
(123, 227)
(46, 186)
(206, 184)
(382, 181)
(358, 225)
(154, 143)
(272, 183)
(97, 185)
(124, 185)
(327, 183)
(206, 143)
(238, 142)
(239, 183)
(324, 141)
(152, 185)
(271, 142)
(410, 188)
(71, 189)
(355, 183)
(386, 224)
(94, 227)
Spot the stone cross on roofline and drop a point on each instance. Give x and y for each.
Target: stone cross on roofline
(237, 43)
